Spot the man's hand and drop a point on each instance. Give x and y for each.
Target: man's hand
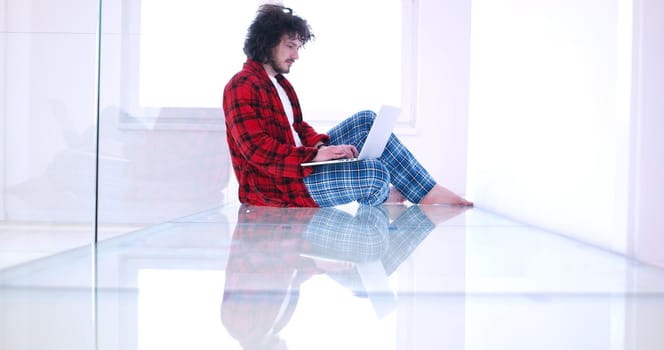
(335, 152)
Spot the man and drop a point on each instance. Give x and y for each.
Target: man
(268, 140)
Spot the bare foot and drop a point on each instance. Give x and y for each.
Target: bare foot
(395, 197)
(441, 195)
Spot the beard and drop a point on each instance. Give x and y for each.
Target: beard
(281, 69)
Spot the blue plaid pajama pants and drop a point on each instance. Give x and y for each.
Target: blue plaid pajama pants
(367, 181)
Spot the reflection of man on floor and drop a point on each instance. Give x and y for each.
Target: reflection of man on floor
(275, 250)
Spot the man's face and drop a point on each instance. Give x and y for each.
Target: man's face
(285, 54)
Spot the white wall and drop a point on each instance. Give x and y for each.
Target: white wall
(565, 118)
(440, 138)
(548, 114)
(646, 187)
(3, 128)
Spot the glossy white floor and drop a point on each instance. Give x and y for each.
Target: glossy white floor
(348, 278)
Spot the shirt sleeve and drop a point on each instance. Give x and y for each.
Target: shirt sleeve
(308, 135)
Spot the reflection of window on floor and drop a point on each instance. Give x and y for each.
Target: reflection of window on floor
(189, 50)
(180, 309)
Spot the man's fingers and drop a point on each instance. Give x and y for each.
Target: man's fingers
(342, 151)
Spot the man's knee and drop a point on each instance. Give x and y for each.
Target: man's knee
(365, 118)
(377, 183)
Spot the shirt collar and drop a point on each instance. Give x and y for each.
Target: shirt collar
(256, 67)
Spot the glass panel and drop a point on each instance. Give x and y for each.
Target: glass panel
(158, 160)
(48, 115)
(48, 127)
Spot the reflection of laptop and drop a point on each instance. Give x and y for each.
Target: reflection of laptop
(375, 282)
(377, 286)
(376, 139)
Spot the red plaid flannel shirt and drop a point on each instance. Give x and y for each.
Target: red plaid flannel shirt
(263, 152)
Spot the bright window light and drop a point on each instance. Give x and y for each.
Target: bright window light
(179, 309)
(190, 49)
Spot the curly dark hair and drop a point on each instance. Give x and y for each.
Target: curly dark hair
(270, 24)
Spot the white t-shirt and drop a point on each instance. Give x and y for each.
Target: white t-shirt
(283, 96)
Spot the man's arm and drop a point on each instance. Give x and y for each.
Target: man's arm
(246, 123)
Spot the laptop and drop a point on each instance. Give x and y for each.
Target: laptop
(376, 140)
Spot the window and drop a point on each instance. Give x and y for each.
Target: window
(360, 58)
